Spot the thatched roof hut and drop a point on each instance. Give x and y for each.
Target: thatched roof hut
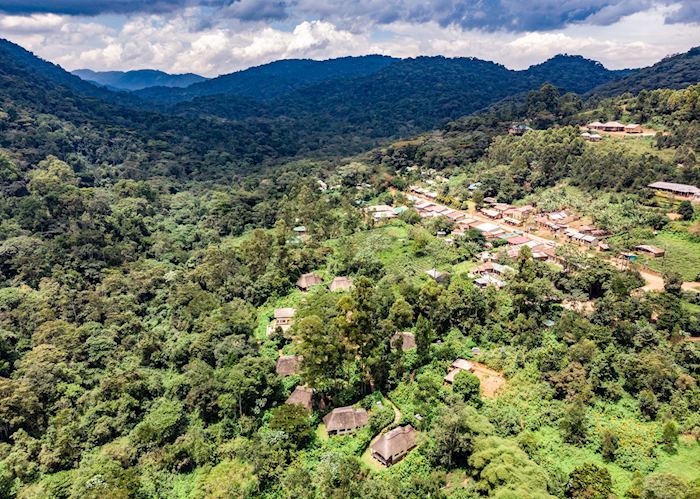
(344, 420)
(394, 445)
(307, 280)
(341, 283)
(287, 365)
(302, 396)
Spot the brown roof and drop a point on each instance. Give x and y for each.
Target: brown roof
(301, 396)
(308, 280)
(284, 313)
(408, 340)
(345, 418)
(341, 283)
(654, 250)
(397, 441)
(287, 365)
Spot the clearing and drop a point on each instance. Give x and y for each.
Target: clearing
(490, 380)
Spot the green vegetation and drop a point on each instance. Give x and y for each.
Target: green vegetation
(142, 257)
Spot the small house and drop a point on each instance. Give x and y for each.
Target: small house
(344, 420)
(283, 319)
(491, 213)
(519, 129)
(654, 251)
(612, 126)
(489, 280)
(302, 396)
(341, 283)
(406, 339)
(306, 281)
(287, 365)
(633, 128)
(394, 445)
(457, 366)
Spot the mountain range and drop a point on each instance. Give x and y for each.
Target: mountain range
(137, 79)
(292, 107)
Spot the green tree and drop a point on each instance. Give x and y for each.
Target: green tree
(648, 404)
(664, 486)
(686, 210)
(502, 469)
(468, 386)
(589, 481)
(425, 334)
(454, 433)
(670, 436)
(609, 445)
(574, 424)
(294, 421)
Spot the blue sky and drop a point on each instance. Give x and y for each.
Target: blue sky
(212, 37)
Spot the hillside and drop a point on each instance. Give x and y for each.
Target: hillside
(574, 73)
(213, 301)
(398, 99)
(404, 98)
(137, 79)
(675, 72)
(273, 79)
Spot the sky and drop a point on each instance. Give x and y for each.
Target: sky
(212, 37)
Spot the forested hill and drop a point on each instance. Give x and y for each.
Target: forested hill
(137, 79)
(32, 72)
(335, 117)
(273, 79)
(382, 76)
(574, 73)
(676, 72)
(404, 98)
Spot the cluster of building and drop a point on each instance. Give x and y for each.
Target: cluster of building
(423, 192)
(512, 215)
(388, 449)
(560, 222)
(283, 318)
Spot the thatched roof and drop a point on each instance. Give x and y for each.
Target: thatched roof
(302, 396)
(397, 441)
(287, 365)
(308, 280)
(408, 340)
(341, 283)
(345, 418)
(284, 313)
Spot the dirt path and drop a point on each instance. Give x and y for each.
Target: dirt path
(653, 281)
(367, 454)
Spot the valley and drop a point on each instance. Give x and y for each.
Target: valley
(360, 277)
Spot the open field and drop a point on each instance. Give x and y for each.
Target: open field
(682, 255)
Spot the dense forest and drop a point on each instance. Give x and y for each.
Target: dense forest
(145, 253)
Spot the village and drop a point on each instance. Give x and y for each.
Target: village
(506, 229)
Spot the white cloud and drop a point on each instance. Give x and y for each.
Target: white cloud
(191, 41)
